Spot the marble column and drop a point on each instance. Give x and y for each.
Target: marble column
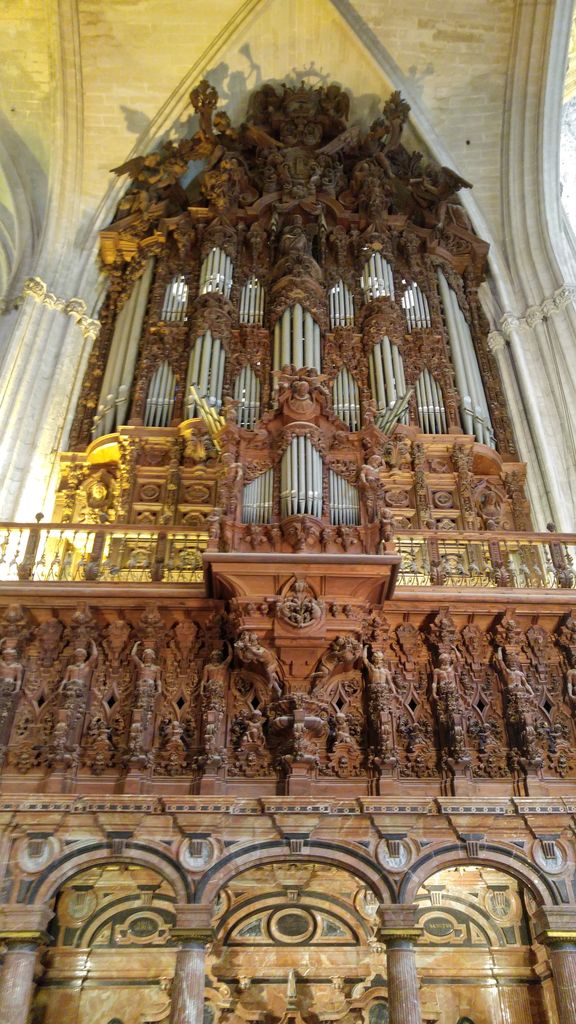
(398, 931)
(17, 979)
(22, 931)
(555, 927)
(193, 932)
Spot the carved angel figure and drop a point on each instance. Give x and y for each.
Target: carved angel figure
(257, 658)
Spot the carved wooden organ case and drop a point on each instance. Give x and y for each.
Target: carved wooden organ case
(293, 364)
(317, 285)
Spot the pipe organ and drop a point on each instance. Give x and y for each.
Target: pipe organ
(377, 279)
(301, 479)
(325, 327)
(205, 371)
(252, 302)
(296, 339)
(473, 405)
(415, 306)
(341, 305)
(216, 273)
(346, 399)
(175, 300)
(257, 499)
(160, 398)
(247, 394)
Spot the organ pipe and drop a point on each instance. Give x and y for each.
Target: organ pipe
(117, 379)
(377, 279)
(205, 371)
(344, 501)
(387, 381)
(296, 340)
(257, 499)
(301, 479)
(430, 403)
(160, 398)
(341, 306)
(247, 394)
(473, 405)
(175, 300)
(216, 273)
(415, 306)
(252, 302)
(346, 399)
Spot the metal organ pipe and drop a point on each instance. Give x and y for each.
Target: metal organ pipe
(247, 394)
(386, 374)
(430, 401)
(205, 371)
(175, 300)
(301, 479)
(346, 399)
(160, 399)
(257, 499)
(341, 305)
(296, 340)
(344, 501)
(473, 405)
(216, 273)
(117, 378)
(377, 278)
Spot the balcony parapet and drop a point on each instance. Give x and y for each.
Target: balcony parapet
(121, 554)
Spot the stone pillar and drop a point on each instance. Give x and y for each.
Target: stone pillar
(398, 932)
(555, 927)
(22, 931)
(193, 931)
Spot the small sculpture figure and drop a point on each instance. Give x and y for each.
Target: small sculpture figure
(148, 681)
(11, 671)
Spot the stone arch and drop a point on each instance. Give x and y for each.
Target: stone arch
(47, 884)
(542, 888)
(355, 862)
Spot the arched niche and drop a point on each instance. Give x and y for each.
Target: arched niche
(110, 957)
(296, 916)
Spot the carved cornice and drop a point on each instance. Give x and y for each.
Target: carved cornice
(510, 323)
(74, 307)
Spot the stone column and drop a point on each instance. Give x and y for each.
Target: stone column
(555, 927)
(398, 931)
(22, 931)
(193, 932)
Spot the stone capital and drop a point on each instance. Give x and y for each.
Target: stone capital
(193, 923)
(398, 921)
(555, 924)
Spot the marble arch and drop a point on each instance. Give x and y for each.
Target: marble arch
(65, 867)
(513, 863)
(233, 864)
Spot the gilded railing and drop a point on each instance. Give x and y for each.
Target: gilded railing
(78, 552)
(518, 560)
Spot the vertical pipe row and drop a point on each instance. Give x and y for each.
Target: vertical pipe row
(473, 405)
(377, 278)
(216, 273)
(205, 371)
(344, 501)
(119, 372)
(296, 340)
